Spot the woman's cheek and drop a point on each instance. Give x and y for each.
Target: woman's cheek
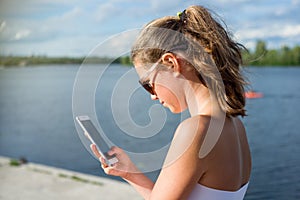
(169, 98)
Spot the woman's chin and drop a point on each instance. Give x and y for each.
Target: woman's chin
(174, 109)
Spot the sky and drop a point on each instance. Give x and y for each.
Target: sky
(76, 27)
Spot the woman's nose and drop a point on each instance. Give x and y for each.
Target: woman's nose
(154, 97)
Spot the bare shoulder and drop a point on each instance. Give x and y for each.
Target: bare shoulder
(193, 125)
(188, 138)
(182, 167)
(239, 124)
(193, 129)
(240, 130)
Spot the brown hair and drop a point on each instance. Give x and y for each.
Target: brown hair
(206, 44)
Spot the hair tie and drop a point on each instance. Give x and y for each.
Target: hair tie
(182, 16)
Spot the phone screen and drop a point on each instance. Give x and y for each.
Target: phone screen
(95, 135)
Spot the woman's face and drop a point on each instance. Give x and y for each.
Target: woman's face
(169, 92)
(167, 87)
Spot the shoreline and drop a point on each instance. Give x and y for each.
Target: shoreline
(126, 65)
(32, 181)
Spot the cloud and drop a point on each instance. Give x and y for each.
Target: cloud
(22, 34)
(275, 36)
(2, 26)
(15, 8)
(116, 45)
(106, 11)
(69, 46)
(164, 7)
(290, 31)
(72, 14)
(62, 24)
(78, 26)
(271, 31)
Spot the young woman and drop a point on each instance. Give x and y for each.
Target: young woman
(190, 62)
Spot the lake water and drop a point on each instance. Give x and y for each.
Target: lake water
(36, 122)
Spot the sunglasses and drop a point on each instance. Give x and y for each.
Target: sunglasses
(148, 87)
(146, 82)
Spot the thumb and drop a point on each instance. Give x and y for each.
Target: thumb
(95, 150)
(114, 150)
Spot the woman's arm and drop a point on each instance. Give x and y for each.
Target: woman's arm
(182, 168)
(126, 169)
(181, 171)
(141, 183)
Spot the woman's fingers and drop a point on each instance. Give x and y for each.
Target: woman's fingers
(103, 162)
(110, 171)
(114, 170)
(98, 155)
(114, 150)
(95, 150)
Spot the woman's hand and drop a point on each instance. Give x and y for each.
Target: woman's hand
(123, 168)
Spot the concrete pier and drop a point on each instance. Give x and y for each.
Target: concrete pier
(35, 182)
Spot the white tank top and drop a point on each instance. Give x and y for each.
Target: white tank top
(201, 192)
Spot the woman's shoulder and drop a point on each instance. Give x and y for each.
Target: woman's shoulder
(193, 129)
(202, 123)
(188, 139)
(198, 123)
(239, 124)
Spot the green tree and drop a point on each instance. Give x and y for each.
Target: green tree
(259, 53)
(296, 55)
(272, 58)
(286, 55)
(261, 48)
(125, 60)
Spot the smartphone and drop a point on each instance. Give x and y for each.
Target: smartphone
(95, 137)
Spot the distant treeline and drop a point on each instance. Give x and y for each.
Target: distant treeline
(261, 56)
(44, 60)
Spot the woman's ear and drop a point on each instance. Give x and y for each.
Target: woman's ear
(171, 61)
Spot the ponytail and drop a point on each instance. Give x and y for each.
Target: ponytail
(226, 54)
